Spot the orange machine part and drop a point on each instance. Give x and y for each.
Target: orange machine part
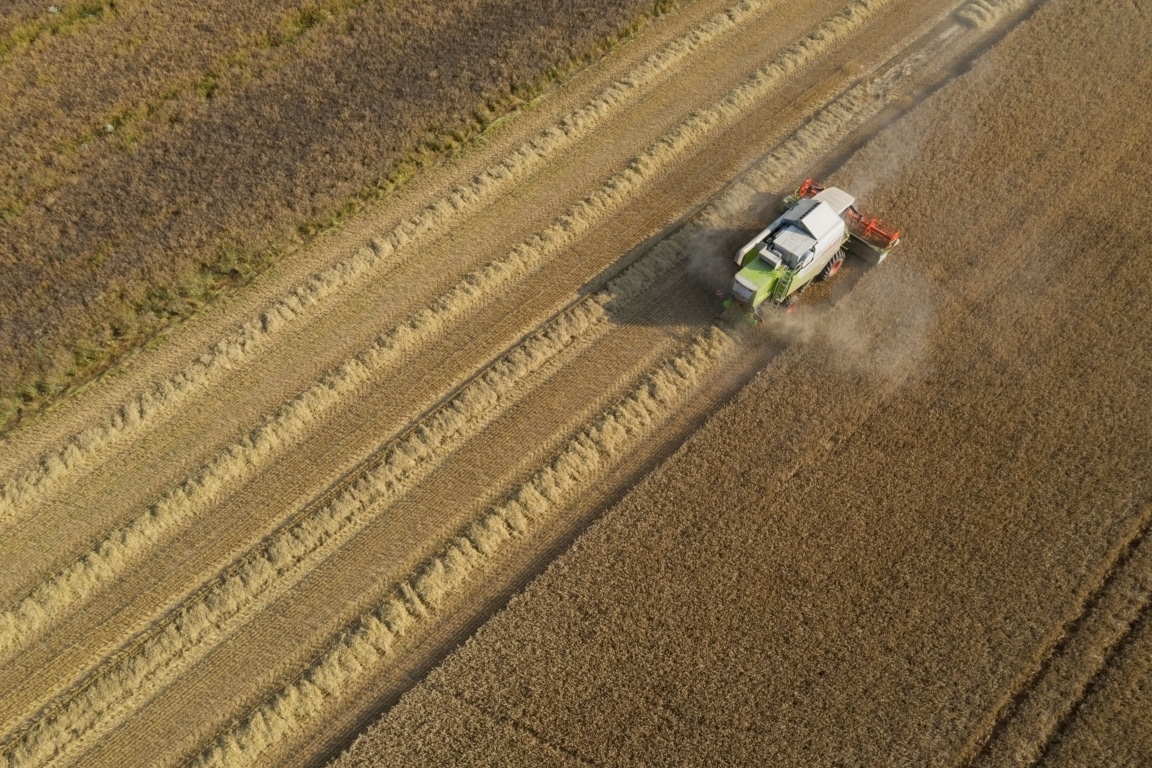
(872, 229)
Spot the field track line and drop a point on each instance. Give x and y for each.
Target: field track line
(1031, 721)
(27, 485)
(189, 630)
(108, 558)
(367, 643)
(1118, 657)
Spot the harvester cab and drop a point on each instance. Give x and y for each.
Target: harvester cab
(808, 241)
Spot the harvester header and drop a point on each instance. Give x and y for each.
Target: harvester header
(808, 241)
(866, 229)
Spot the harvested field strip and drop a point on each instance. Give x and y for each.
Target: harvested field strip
(381, 252)
(260, 575)
(285, 555)
(32, 614)
(289, 425)
(369, 642)
(1033, 719)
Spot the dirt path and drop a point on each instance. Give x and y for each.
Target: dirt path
(289, 501)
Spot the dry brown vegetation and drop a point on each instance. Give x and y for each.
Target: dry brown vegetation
(233, 134)
(359, 389)
(914, 530)
(256, 536)
(1110, 726)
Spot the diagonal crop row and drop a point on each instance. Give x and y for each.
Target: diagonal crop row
(285, 556)
(113, 553)
(367, 644)
(832, 123)
(381, 252)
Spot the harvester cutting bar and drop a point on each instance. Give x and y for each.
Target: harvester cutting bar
(871, 230)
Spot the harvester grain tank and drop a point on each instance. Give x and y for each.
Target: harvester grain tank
(810, 240)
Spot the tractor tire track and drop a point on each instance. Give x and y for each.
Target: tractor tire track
(1040, 711)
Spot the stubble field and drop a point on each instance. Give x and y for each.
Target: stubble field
(906, 524)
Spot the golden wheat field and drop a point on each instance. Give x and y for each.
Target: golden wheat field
(459, 460)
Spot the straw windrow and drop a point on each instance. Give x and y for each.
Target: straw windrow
(367, 644)
(382, 252)
(292, 422)
(985, 14)
(191, 629)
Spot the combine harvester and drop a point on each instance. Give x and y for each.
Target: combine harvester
(808, 241)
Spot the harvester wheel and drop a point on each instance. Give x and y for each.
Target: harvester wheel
(790, 303)
(833, 266)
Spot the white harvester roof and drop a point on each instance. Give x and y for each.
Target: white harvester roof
(817, 217)
(814, 221)
(837, 198)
